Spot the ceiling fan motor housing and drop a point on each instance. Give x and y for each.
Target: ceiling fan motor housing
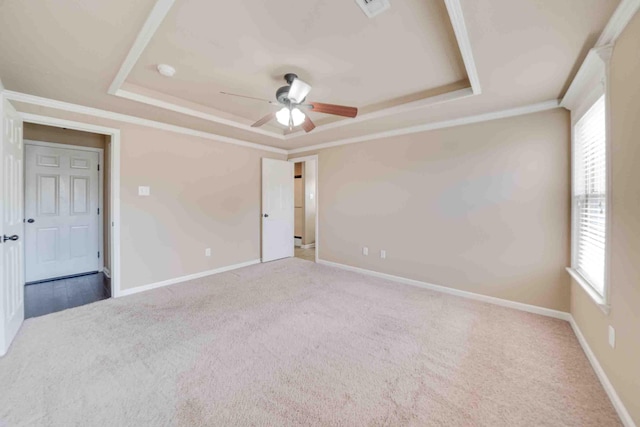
(282, 95)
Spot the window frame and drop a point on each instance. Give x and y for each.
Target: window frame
(591, 91)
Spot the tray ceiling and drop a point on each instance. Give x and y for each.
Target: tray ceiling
(246, 47)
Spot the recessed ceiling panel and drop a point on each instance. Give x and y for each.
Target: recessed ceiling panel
(247, 46)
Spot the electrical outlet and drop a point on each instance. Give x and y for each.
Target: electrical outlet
(612, 337)
(365, 251)
(383, 254)
(144, 191)
(207, 252)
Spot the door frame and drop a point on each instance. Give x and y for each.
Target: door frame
(114, 169)
(100, 152)
(305, 159)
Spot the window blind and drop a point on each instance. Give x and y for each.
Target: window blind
(590, 198)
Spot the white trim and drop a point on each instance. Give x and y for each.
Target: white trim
(598, 299)
(317, 160)
(106, 272)
(115, 183)
(527, 109)
(464, 43)
(155, 18)
(75, 108)
(65, 106)
(64, 146)
(618, 21)
(101, 184)
(592, 82)
(451, 291)
(624, 415)
(310, 245)
(616, 25)
(133, 96)
(589, 76)
(138, 289)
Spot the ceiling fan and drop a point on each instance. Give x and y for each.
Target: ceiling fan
(292, 98)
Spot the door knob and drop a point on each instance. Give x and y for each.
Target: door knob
(31, 220)
(266, 215)
(14, 238)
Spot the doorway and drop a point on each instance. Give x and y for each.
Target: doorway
(66, 202)
(13, 220)
(305, 207)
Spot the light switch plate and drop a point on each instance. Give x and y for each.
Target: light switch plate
(365, 251)
(383, 254)
(144, 191)
(612, 337)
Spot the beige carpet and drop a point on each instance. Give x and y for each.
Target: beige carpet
(295, 343)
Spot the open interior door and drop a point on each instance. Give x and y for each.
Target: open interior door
(11, 226)
(277, 209)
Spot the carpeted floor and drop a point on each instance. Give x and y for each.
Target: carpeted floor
(296, 343)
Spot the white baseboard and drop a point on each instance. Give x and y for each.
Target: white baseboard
(451, 291)
(624, 415)
(106, 272)
(150, 286)
(309, 246)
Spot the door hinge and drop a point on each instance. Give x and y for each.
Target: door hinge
(98, 211)
(98, 167)
(98, 254)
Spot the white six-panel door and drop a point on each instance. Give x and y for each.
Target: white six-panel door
(61, 210)
(277, 209)
(11, 232)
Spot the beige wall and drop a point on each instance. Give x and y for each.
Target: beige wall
(204, 194)
(43, 133)
(63, 136)
(484, 208)
(621, 364)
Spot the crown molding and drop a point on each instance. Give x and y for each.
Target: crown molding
(161, 9)
(464, 43)
(589, 80)
(512, 112)
(155, 18)
(594, 66)
(402, 108)
(618, 22)
(149, 100)
(110, 115)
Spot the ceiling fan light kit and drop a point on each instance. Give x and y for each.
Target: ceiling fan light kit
(291, 98)
(285, 116)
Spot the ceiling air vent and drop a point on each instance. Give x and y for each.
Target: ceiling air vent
(373, 7)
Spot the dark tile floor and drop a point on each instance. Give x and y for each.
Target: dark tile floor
(57, 295)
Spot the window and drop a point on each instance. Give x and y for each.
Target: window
(590, 198)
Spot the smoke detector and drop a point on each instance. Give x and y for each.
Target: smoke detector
(373, 8)
(166, 70)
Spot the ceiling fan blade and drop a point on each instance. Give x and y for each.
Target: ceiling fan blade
(308, 125)
(249, 97)
(298, 90)
(336, 110)
(264, 120)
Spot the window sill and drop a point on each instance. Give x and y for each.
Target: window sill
(597, 299)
